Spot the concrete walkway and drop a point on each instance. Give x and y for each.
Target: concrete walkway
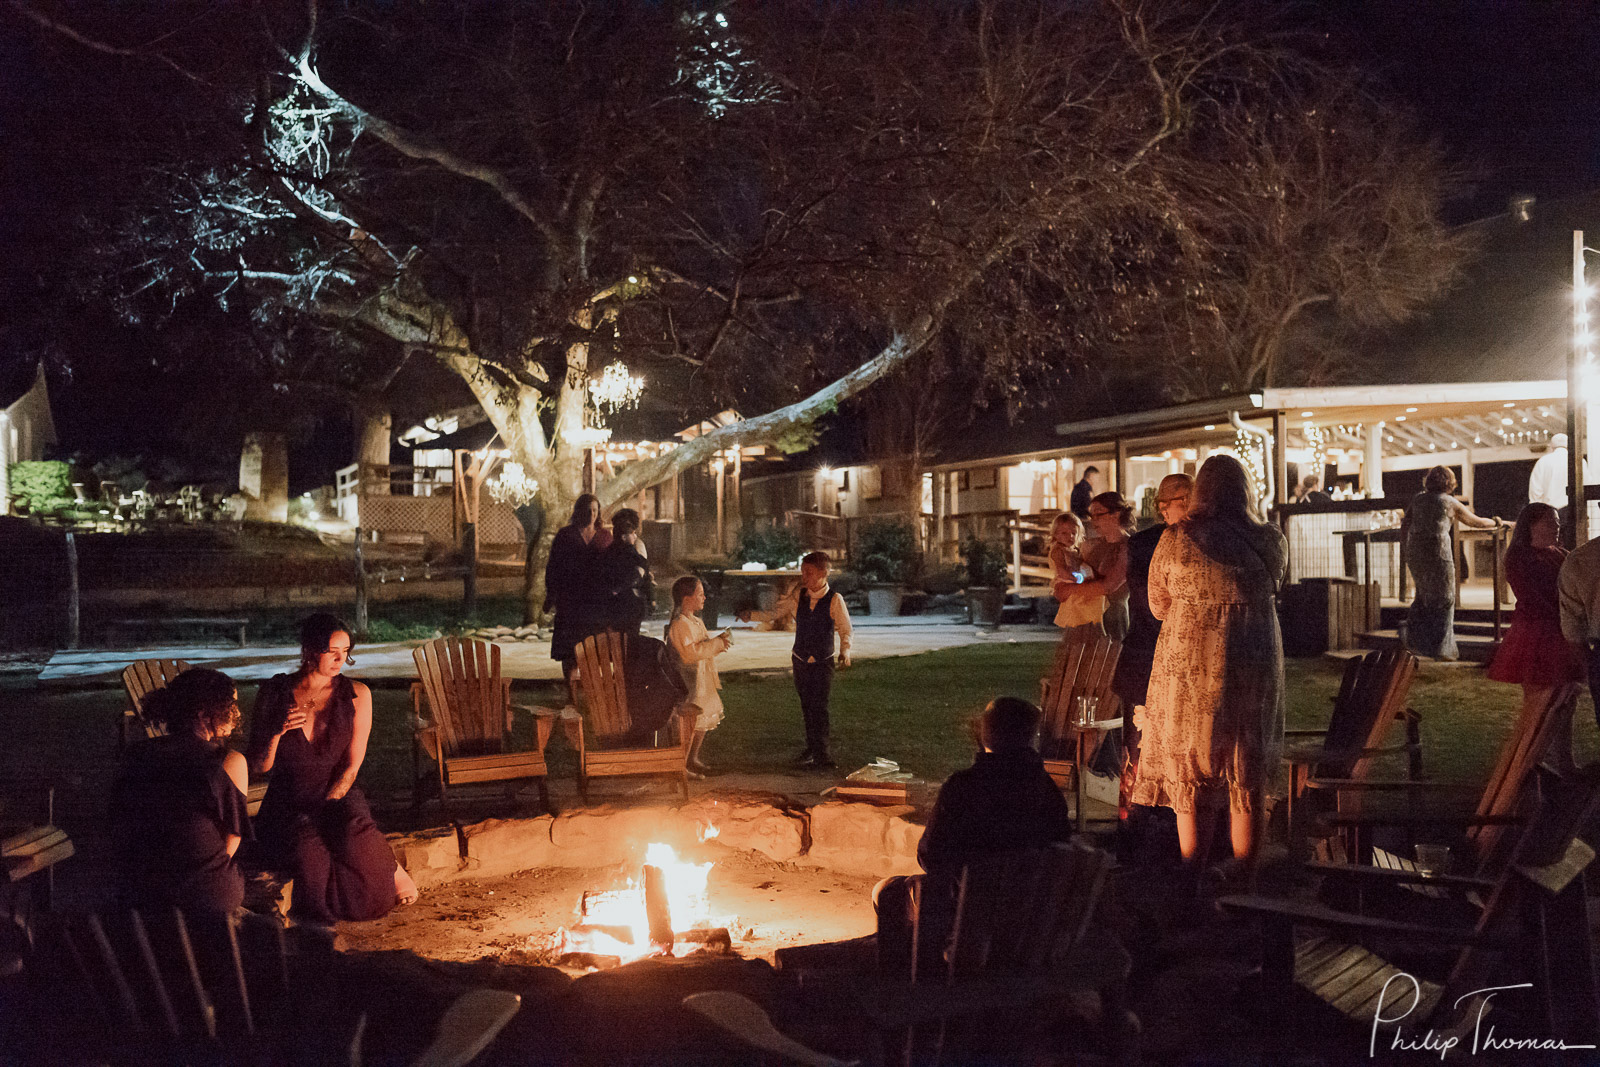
(530, 660)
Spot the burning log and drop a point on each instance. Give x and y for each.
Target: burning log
(656, 910)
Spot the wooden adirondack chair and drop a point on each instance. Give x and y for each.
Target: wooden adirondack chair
(1371, 699)
(1523, 750)
(147, 989)
(602, 690)
(1022, 938)
(139, 680)
(1083, 666)
(467, 732)
(1533, 927)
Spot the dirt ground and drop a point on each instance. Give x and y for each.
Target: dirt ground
(767, 905)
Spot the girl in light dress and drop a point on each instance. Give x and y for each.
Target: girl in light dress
(697, 655)
(1068, 569)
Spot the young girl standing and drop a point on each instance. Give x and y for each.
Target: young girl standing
(697, 652)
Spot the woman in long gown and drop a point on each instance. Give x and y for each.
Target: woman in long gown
(1429, 548)
(1213, 721)
(1534, 654)
(179, 807)
(310, 730)
(571, 581)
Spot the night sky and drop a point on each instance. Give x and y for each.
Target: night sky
(1510, 87)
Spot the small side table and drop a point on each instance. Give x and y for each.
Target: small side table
(1082, 749)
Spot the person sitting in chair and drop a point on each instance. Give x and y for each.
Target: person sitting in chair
(1004, 802)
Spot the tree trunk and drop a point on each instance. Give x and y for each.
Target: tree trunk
(533, 579)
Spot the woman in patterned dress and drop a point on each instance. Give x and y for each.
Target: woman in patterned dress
(1429, 548)
(1213, 721)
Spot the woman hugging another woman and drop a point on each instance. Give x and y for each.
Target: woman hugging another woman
(310, 730)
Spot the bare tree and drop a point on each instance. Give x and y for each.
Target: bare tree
(769, 205)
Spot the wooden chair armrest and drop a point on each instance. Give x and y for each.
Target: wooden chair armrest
(1423, 821)
(746, 1021)
(427, 735)
(1385, 874)
(1392, 785)
(1313, 914)
(466, 1029)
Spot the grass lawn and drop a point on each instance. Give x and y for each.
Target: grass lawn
(911, 709)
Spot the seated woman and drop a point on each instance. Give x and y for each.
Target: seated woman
(310, 729)
(179, 807)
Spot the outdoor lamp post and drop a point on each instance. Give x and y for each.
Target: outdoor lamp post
(1580, 382)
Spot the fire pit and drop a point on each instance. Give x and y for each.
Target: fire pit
(735, 875)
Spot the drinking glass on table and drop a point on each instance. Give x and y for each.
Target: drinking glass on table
(1088, 710)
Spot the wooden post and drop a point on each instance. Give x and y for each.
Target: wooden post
(361, 588)
(469, 578)
(72, 590)
(1577, 414)
(1280, 455)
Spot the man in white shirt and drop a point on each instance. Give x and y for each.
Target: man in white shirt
(1548, 482)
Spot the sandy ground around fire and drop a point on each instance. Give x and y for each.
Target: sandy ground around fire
(769, 905)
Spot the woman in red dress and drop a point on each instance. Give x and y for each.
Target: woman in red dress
(1534, 654)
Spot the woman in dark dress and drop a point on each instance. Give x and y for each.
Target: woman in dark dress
(628, 592)
(571, 583)
(310, 730)
(180, 802)
(1534, 654)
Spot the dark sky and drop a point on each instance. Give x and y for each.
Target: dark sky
(1511, 87)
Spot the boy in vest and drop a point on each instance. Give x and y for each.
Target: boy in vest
(819, 616)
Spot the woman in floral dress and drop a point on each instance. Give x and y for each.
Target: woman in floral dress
(1213, 721)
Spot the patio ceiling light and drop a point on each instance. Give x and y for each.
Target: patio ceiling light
(1509, 404)
(1409, 410)
(1399, 418)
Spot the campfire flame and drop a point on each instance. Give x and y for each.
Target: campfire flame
(616, 922)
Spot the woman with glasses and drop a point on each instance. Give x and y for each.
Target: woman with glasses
(310, 730)
(179, 805)
(1110, 520)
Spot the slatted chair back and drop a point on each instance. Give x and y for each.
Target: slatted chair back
(1018, 916)
(143, 677)
(1021, 912)
(1372, 696)
(1515, 775)
(133, 988)
(465, 693)
(1083, 666)
(603, 684)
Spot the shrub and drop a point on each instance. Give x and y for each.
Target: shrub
(773, 546)
(886, 552)
(986, 563)
(41, 485)
(942, 581)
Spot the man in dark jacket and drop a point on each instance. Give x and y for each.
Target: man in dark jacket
(1004, 802)
(627, 589)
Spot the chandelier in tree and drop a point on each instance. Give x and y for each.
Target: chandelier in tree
(615, 389)
(513, 487)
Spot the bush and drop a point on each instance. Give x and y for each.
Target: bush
(774, 547)
(886, 552)
(986, 563)
(41, 485)
(942, 581)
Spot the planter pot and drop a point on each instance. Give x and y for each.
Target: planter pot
(984, 604)
(885, 599)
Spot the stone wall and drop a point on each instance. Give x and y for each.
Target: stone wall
(851, 838)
